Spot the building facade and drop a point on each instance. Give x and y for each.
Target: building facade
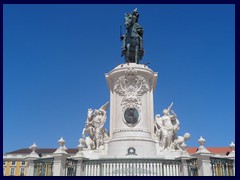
(14, 165)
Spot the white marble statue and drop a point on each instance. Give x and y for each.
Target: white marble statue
(166, 128)
(97, 134)
(179, 141)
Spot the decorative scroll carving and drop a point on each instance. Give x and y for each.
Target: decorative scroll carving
(131, 87)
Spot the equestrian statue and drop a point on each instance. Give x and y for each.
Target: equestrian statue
(132, 43)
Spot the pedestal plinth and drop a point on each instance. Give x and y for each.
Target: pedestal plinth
(131, 88)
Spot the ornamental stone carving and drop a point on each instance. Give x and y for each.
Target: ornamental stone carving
(131, 87)
(232, 146)
(62, 148)
(33, 147)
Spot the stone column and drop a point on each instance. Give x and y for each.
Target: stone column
(204, 165)
(60, 157)
(80, 157)
(30, 166)
(183, 166)
(79, 170)
(203, 159)
(59, 164)
(30, 160)
(232, 156)
(184, 157)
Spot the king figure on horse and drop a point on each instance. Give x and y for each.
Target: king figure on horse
(132, 47)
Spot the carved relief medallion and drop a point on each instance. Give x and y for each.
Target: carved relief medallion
(131, 116)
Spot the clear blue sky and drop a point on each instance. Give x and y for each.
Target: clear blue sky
(55, 58)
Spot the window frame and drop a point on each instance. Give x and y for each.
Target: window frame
(14, 163)
(12, 168)
(20, 172)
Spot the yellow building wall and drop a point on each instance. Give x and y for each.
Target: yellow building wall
(17, 166)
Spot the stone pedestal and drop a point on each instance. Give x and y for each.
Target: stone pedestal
(184, 166)
(30, 165)
(233, 158)
(79, 170)
(204, 165)
(131, 88)
(59, 164)
(30, 160)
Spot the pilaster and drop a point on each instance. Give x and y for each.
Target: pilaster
(59, 164)
(203, 158)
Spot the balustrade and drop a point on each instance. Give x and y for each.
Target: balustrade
(131, 167)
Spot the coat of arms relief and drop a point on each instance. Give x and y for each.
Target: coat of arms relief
(131, 87)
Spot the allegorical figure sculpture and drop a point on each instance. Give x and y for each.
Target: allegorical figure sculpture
(132, 40)
(97, 134)
(166, 128)
(179, 141)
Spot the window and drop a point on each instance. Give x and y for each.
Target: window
(13, 163)
(23, 162)
(22, 171)
(12, 171)
(4, 163)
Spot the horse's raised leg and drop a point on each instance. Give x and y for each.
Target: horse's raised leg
(136, 54)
